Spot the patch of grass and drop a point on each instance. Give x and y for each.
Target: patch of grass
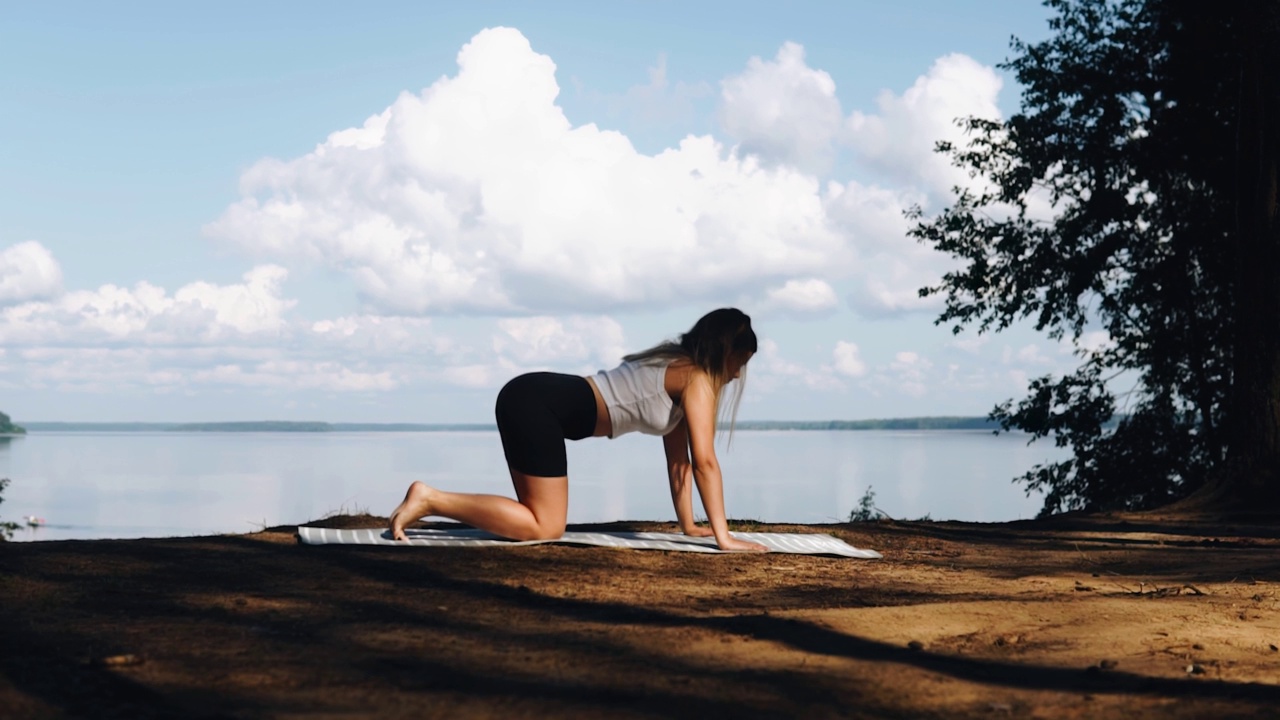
(258, 526)
(344, 510)
(737, 524)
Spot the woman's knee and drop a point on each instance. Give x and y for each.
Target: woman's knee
(548, 531)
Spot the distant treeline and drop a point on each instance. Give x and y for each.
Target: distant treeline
(254, 426)
(412, 427)
(920, 423)
(98, 426)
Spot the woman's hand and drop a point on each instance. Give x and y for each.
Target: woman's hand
(733, 544)
(698, 531)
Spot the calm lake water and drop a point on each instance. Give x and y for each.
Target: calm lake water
(140, 484)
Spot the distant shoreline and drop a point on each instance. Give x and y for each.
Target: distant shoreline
(917, 423)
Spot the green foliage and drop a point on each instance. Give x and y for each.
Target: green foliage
(866, 510)
(6, 528)
(8, 428)
(1125, 131)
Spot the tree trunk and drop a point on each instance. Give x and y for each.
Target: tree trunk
(1252, 480)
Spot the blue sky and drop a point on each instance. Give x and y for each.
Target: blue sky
(312, 211)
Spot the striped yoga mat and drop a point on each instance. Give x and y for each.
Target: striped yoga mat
(802, 543)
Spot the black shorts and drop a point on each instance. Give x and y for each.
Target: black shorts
(536, 413)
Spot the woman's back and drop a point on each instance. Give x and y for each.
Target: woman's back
(637, 397)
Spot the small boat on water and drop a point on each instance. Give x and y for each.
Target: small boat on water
(34, 521)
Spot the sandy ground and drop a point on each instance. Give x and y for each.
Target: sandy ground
(1098, 617)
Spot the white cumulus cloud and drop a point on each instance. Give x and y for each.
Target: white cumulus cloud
(147, 314)
(479, 195)
(28, 271)
(788, 114)
(545, 340)
(899, 140)
(806, 296)
(783, 111)
(847, 360)
(891, 266)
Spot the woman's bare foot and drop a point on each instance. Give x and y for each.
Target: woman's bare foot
(416, 505)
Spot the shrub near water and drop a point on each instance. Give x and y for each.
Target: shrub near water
(8, 428)
(866, 510)
(6, 528)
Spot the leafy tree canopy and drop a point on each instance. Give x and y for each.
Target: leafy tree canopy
(1110, 202)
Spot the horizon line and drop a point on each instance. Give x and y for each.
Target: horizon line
(16, 421)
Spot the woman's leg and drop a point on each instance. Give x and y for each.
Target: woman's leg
(540, 513)
(536, 413)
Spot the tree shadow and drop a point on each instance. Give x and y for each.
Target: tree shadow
(305, 610)
(1088, 546)
(810, 638)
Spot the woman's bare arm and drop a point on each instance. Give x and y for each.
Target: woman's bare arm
(680, 473)
(699, 405)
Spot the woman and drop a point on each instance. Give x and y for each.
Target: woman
(673, 390)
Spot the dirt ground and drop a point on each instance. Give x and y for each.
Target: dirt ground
(1097, 617)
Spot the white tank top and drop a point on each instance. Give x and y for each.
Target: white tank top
(637, 399)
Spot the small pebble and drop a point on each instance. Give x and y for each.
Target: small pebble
(915, 645)
(118, 660)
(1274, 648)
(1195, 670)
(1108, 664)
(1197, 646)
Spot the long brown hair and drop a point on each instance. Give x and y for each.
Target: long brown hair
(718, 339)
